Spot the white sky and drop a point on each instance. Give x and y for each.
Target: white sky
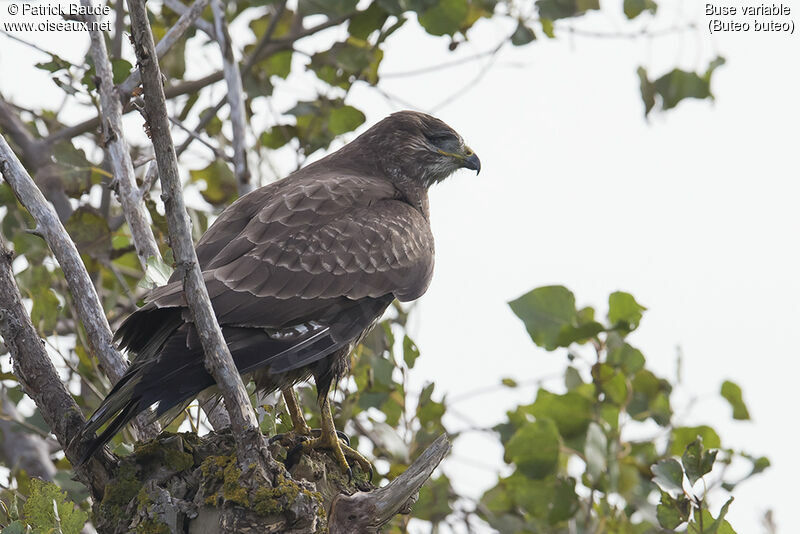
(695, 213)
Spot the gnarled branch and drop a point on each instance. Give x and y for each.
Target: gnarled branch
(366, 512)
(40, 379)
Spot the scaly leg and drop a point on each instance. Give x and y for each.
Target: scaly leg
(329, 439)
(298, 421)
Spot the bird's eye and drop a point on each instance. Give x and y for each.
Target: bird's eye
(443, 140)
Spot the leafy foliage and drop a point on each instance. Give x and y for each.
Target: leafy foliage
(584, 423)
(606, 398)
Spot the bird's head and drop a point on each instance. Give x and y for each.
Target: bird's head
(414, 146)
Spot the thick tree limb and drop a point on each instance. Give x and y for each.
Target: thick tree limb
(235, 96)
(251, 447)
(118, 152)
(40, 380)
(84, 295)
(87, 303)
(366, 512)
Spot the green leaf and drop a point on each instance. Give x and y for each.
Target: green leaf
(15, 527)
(564, 503)
(367, 21)
(509, 382)
(733, 394)
(220, 182)
(697, 461)
(444, 17)
(44, 313)
(545, 312)
(522, 35)
(668, 475)
(572, 378)
(120, 69)
(90, 232)
(647, 90)
(534, 448)
(630, 359)
(678, 85)
(682, 436)
(559, 9)
(277, 136)
(410, 351)
(672, 512)
(45, 499)
(571, 412)
(623, 311)
(596, 451)
(634, 8)
(611, 382)
(552, 499)
(156, 273)
(434, 503)
(547, 28)
(345, 119)
(711, 525)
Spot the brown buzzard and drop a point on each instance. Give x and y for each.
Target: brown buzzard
(298, 272)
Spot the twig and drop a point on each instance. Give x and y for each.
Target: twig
(366, 512)
(265, 39)
(117, 149)
(201, 24)
(250, 444)
(33, 366)
(235, 96)
(206, 117)
(187, 18)
(218, 153)
(48, 225)
(150, 177)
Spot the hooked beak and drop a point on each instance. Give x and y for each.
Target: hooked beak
(471, 161)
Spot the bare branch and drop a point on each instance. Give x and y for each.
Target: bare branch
(85, 297)
(40, 380)
(235, 96)
(201, 24)
(187, 18)
(250, 444)
(367, 511)
(118, 152)
(218, 153)
(33, 150)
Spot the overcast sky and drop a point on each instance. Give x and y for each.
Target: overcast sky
(694, 212)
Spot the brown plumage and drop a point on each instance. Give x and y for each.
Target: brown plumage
(298, 271)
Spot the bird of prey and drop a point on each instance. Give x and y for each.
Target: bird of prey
(298, 272)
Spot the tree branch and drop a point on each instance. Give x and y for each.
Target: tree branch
(201, 24)
(186, 19)
(251, 447)
(83, 292)
(118, 152)
(367, 511)
(40, 379)
(235, 96)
